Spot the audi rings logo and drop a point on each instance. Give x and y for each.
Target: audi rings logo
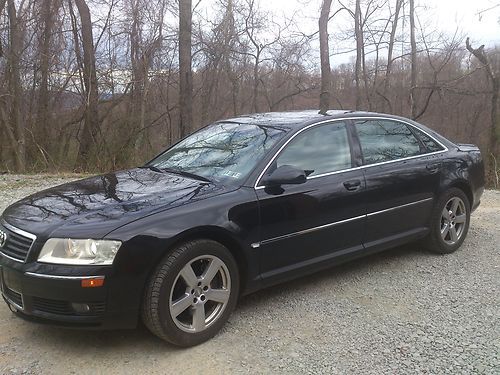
(3, 238)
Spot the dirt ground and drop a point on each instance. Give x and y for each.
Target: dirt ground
(402, 311)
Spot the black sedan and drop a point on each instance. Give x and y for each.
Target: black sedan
(240, 205)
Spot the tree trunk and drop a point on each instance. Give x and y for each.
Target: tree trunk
(2, 6)
(5, 152)
(41, 131)
(229, 42)
(390, 50)
(359, 52)
(255, 86)
(135, 133)
(185, 69)
(326, 72)
(413, 73)
(91, 122)
(365, 73)
(14, 85)
(493, 148)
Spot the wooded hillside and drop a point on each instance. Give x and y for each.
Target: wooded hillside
(92, 85)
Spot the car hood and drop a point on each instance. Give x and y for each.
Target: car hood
(93, 207)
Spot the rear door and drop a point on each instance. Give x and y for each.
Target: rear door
(402, 176)
(308, 224)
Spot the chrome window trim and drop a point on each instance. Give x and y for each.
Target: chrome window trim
(22, 233)
(58, 277)
(445, 149)
(320, 227)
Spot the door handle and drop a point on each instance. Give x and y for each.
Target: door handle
(352, 185)
(433, 168)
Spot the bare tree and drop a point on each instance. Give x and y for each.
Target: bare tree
(88, 70)
(14, 126)
(218, 48)
(390, 51)
(2, 6)
(257, 45)
(146, 36)
(358, 32)
(48, 11)
(185, 68)
(413, 74)
(326, 72)
(494, 78)
(98, 87)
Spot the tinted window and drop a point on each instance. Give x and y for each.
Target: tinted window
(321, 149)
(430, 144)
(383, 140)
(224, 152)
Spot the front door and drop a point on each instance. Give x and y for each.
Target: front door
(309, 224)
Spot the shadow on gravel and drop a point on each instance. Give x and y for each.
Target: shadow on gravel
(121, 340)
(126, 341)
(334, 273)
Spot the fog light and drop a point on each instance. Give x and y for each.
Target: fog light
(80, 307)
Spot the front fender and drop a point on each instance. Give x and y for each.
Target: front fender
(231, 218)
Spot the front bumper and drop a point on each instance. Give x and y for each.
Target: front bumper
(53, 294)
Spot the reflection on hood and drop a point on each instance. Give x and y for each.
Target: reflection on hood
(109, 200)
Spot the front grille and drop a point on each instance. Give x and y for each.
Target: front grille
(13, 297)
(17, 245)
(57, 307)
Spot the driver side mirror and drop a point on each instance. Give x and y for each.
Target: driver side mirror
(285, 174)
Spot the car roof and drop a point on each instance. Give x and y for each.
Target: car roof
(294, 119)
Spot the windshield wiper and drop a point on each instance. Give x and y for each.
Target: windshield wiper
(177, 171)
(152, 167)
(186, 174)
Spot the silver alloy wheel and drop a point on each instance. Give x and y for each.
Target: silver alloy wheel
(200, 293)
(453, 220)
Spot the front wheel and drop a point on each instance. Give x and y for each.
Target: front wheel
(449, 222)
(192, 293)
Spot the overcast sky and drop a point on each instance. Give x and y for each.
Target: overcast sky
(482, 29)
(443, 15)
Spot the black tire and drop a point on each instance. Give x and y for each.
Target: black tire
(157, 304)
(434, 242)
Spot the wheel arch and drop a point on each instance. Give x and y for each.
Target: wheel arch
(222, 236)
(465, 187)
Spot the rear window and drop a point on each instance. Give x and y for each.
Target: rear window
(385, 140)
(430, 144)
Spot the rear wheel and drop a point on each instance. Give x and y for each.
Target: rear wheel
(192, 293)
(449, 222)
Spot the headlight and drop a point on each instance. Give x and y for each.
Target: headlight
(68, 251)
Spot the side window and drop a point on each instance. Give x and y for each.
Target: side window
(321, 149)
(430, 144)
(383, 140)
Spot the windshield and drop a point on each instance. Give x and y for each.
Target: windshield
(225, 152)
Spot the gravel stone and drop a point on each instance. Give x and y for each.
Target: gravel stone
(401, 311)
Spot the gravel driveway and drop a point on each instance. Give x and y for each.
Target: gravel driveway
(402, 311)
